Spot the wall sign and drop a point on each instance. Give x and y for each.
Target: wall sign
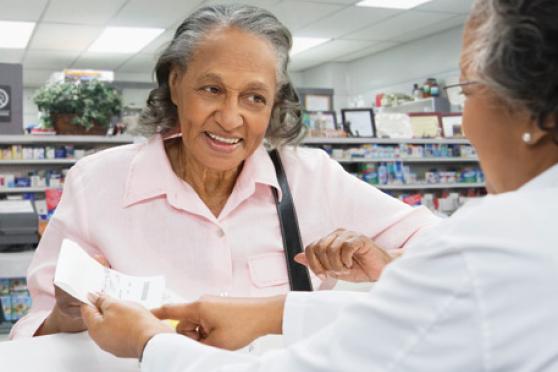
(5, 104)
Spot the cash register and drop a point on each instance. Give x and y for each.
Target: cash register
(19, 226)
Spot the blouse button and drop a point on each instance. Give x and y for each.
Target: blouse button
(220, 233)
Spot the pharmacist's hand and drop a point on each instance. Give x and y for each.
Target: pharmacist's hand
(119, 327)
(345, 255)
(66, 315)
(227, 323)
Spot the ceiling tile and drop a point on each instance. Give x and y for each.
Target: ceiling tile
(346, 21)
(298, 14)
(266, 4)
(139, 63)
(302, 64)
(97, 12)
(11, 55)
(147, 13)
(17, 10)
(100, 61)
(57, 37)
(449, 6)
(50, 60)
(376, 47)
(333, 49)
(433, 29)
(402, 24)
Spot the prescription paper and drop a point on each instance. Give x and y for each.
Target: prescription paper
(79, 274)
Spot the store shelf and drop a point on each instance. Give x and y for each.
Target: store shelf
(4, 330)
(425, 186)
(15, 190)
(63, 139)
(15, 264)
(407, 160)
(384, 141)
(39, 162)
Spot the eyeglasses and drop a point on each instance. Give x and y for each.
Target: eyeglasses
(454, 90)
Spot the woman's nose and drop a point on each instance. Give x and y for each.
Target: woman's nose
(229, 116)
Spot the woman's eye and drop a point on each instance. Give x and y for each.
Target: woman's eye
(212, 89)
(257, 99)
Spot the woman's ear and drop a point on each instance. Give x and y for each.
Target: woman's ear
(540, 133)
(174, 80)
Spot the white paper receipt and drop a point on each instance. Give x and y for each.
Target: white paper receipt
(78, 274)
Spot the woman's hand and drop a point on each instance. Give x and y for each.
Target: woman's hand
(121, 328)
(227, 323)
(66, 315)
(345, 255)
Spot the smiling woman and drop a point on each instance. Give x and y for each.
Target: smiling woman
(196, 202)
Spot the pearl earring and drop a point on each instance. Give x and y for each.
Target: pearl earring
(527, 138)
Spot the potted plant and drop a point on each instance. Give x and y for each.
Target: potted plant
(78, 107)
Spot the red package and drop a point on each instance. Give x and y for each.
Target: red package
(53, 198)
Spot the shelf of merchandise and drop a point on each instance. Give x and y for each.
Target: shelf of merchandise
(15, 190)
(39, 162)
(435, 186)
(407, 160)
(384, 141)
(66, 139)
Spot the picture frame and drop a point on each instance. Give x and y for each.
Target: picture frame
(452, 125)
(426, 124)
(321, 123)
(316, 99)
(359, 122)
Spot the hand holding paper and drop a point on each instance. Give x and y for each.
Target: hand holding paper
(78, 274)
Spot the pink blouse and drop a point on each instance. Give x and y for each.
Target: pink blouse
(127, 204)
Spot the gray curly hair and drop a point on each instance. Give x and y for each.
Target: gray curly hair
(515, 53)
(161, 114)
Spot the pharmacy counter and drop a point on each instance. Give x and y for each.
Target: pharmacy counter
(60, 353)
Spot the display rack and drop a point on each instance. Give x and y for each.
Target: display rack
(354, 154)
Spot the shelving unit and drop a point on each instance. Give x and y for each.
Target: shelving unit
(61, 139)
(441, 186)
(384, 141)
(408, 160)
(39, 162)
(417, 161)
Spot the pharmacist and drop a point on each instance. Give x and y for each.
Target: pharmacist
(475, 293)
(198, 207)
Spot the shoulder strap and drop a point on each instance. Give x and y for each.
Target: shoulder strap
(299, 278)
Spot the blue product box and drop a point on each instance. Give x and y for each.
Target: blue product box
(4, 287)
(6, 303)
(18, 285)
(21, 303)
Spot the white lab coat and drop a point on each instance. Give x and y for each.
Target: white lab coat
(479, 292)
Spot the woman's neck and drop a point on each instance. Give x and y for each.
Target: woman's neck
(213, 186)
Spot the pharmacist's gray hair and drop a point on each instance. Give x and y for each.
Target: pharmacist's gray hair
(514, 52)
(161, 115)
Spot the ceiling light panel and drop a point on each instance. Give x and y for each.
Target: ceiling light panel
(393, 4)
(126, 40)
(15, 35)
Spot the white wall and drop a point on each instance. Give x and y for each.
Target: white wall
(393, 70)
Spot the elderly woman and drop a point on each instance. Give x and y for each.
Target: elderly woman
(195, 202)
(476, 293)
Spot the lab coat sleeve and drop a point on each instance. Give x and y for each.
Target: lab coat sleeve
(415, 318)
(307, 313)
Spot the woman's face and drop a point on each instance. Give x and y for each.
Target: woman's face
(225, 97)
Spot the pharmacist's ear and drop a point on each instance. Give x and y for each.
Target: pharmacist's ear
(174, 81)
(540, 129)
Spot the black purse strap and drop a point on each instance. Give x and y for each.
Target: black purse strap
(299, 278)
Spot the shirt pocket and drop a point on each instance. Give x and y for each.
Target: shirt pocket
(267, 270)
